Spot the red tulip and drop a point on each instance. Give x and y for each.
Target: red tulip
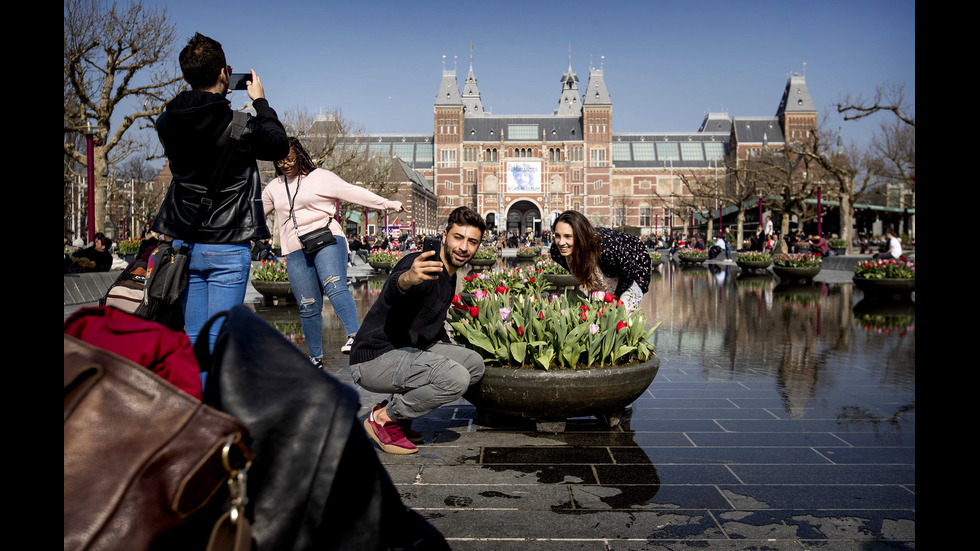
(541, 315)
(474, 311)
(520, 331)
(468, 278)
(619, 303)
(583, 315)
(620, 325)
(501, 289)
(456, 299)
(609, 297)
(584, 307)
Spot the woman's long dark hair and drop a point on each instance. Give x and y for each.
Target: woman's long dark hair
(585, 247)
(306, 165)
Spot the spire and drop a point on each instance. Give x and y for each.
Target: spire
(596, 92)
(449, 88)
(569, 103)
(472, 105)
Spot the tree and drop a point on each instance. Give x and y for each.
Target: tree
(338, 145)
(788, 177)
(735, 186)
(888, 97)
(894, 142)
(851, 171)
(116, 58)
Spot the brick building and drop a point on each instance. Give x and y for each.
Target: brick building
(519, 171)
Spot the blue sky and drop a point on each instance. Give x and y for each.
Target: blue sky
(666, 63)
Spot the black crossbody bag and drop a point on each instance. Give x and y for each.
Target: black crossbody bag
(312, 241)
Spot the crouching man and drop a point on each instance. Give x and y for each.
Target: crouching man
(402, 347)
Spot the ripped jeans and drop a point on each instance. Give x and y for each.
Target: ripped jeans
(311, 278)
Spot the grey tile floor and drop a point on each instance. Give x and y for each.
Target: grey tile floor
(705, 462)
(702, 464)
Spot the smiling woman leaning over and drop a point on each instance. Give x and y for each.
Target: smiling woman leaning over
(305, 199)
(602, 259)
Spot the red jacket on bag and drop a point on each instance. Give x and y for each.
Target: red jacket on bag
(166, 352)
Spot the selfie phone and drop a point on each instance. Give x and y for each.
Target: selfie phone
(239, 81)
(432, 244)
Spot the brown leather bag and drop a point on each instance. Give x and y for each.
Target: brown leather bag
(142, 457)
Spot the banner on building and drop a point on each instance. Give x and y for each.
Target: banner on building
(523, 177)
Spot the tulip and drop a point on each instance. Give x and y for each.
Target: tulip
(457, 299)
(480, 294)
(620, 325)
(505, 313)
(474, 311)
(594, 328)
(583, 315)
(608, 297)
(520, 331)
(541, 315)
(584, 307)
(501, 289)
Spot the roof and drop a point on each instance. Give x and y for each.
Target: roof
(669, 150)
(756, 130)
(796, 97)
(518, 128)
(402, 172)
(448, 93)
(596, 92)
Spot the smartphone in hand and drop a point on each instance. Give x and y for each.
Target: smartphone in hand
(432, 244)
(239, 81)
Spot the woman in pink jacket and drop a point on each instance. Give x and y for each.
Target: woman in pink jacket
(305, 199)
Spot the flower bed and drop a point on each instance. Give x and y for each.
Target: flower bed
(798, 260)
(383, 255)
(271, 270)
(485, 253)
(692, 255)
(549, 266)
(754, 256)
(528, 251)
(525, 279)
(517, 330)
(885, 269)
(655, 257)
(126, 246)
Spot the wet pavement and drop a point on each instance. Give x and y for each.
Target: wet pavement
(783, 417)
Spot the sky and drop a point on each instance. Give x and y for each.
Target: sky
(666, 63)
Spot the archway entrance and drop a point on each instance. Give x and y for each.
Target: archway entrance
(524, 217)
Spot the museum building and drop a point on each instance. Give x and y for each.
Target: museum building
(520, 171)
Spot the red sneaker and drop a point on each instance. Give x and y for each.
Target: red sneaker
(413, 436)
(389, 436)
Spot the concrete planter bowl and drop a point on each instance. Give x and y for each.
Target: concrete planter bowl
(271, 290)
(560, 281)
(385, 266)
(551, 397)
(795, 275)
(753, 265)
(692, 259)
(886, 289)
(477, 264)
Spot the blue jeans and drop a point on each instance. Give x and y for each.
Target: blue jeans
(312, 277)
(218, 279)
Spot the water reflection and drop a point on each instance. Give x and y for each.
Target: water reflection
(813, 344)
(812, 341)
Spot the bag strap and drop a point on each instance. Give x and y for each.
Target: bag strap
(239, 121)
(202, 347)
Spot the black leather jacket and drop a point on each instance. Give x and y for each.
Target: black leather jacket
(194, 129)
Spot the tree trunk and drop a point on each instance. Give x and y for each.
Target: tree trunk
(846, 221)
(782, 246)
(740, 220)
(101, 165)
